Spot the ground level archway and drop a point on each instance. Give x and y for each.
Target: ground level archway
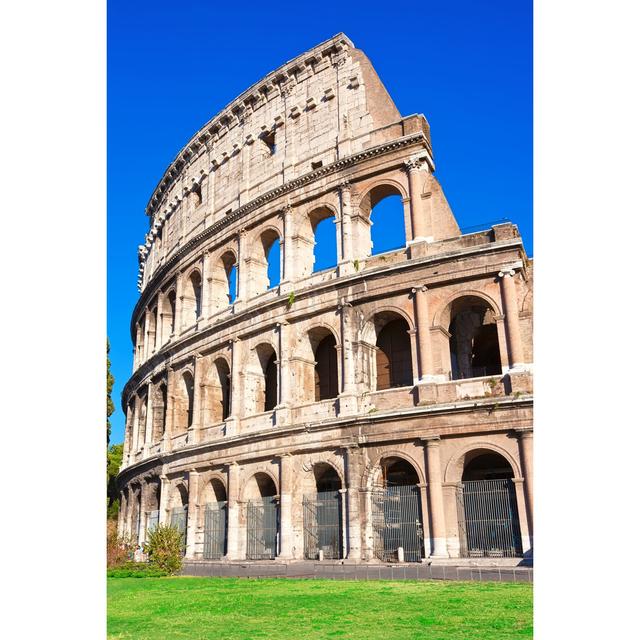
(488, 519)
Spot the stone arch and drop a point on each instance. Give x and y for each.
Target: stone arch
(179, 496)
(317, 230)
(213, 488)
(373, 474)
(394, 210)
(474, 341)
(183, 401)
(456, 463)
(306, 363)
(223, 281)
(258, 485)
(315, 473)
(261, 377)
(192, 297)
(216, 398)
(159, 408)
(264, 259)
(440, 315)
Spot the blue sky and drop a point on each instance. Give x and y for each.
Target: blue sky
(172, 66)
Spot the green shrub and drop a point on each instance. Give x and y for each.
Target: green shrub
(164, 547)
(119, 549)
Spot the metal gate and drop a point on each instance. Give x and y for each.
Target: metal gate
(179, 521)
(322, 527)
(153, 518)
(262, 529)
(215, 530)
(395, 515)
(488, 519)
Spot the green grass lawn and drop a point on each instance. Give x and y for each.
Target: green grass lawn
(232, 608)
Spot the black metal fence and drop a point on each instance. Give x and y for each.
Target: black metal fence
(262, 529)
(397, 522)
(488, 519)
(322, 525)
(215, 530)
(179, 521)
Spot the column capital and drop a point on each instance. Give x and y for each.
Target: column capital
(420, 289)
(431, 441)
(506, 273)
(524, 432)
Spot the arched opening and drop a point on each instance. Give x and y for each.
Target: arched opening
(325, 251)
(178, 513)
(393, 355)
(217, 392)
(224, 281)
(262, 517)
(326, 369)
(396, 513)
(215, 520)
(152, 507)
(487, 507)
(136, 511)
(192, 299)
(322, 515)
(151, 328)
(184, 403)
(267, 383)
(383, 205)
(159, 411)
(142, 422)
(268, 271)
(473, 344)
(140, 341)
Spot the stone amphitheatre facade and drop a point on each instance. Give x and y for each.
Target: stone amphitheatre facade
(379, 410)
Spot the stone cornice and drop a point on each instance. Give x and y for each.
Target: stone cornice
(267, 197)
(238, 106)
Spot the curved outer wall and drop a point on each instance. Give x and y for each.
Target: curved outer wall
(319, 137)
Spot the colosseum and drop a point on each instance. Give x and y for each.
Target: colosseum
(376, 410)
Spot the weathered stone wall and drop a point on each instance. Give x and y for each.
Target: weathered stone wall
(203, 365)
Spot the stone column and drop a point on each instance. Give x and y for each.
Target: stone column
(235, 408)
(179, 297)
(283, 410)
(142, 530)
(122, 514)
(286, 523)
(420, 225)
(207, 280)
(134, 433)
(148, 429)
(193, 432)
(159, 322)
(163, 509)
(233, 511)
(425, 363)
(353, 530)
(242, 275)
(525, 441)
(526, 536)
(128, 435)
(147, 336)
(192, 512)
(426, 544)
(436, 501)
(343, 521)
(168, 427)
(510, 302)
(348, 400)
(346, 240)
(288, 274)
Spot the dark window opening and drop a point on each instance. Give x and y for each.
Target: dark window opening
(326, 370)
(271, 384)
(393, 357)
(316, 165)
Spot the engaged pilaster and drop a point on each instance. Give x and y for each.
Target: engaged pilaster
(436, 500)
(192, 512)
(233, 511)
(510, 302)
(286, 523)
